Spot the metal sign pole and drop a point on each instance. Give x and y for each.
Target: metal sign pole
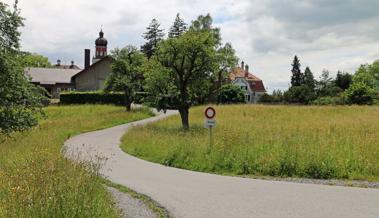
(210, 138)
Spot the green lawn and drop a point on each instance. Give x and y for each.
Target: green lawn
(36, 181)
(286, 141)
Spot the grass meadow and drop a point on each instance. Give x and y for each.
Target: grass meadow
(36, 181)
(283, 141)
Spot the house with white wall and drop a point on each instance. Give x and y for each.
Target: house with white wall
(250, 83)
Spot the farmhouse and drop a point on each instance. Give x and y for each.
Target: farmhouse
(54, 80)
(71, 77)
(251, 84)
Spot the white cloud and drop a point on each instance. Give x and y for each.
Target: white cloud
(335, 34)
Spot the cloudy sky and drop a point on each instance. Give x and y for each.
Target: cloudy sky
(325, 34)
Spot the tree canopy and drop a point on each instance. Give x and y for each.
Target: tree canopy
(184, 69)
(126, 75)
(153, 36)
(297, 75)
(28, 59)
(178, 28)
(20, 101)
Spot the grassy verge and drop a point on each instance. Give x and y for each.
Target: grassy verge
(36, 181)
(284, 141)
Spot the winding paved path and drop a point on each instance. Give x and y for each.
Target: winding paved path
(190, 194)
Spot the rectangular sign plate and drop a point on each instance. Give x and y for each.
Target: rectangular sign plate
(210, 123)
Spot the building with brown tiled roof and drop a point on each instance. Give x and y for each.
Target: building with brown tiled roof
(250, 83)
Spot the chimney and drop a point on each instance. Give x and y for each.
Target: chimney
(247, 70)
(58, 62)
(87, 58)
(243, 65)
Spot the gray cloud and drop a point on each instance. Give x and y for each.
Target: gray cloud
(332, 34)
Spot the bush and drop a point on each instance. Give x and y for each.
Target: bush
(328, 100)
(360, 93)
(299, 94)
(266, 98)
(231, 94)
(92, 98)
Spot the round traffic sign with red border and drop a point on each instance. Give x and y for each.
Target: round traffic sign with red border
(210, 112)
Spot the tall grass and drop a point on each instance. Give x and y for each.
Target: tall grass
(36, 181)
(286, 141)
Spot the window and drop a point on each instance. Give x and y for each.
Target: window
(247, 97)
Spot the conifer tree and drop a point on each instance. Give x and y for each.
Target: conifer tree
(309, 79)
(178, 28)
(297, 75)
(153, 36)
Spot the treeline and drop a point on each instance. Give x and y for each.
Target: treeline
(361, 88)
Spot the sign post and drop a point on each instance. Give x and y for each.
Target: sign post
(210, 122)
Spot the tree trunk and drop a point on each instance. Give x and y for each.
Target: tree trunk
(128, 102)
(184, 115)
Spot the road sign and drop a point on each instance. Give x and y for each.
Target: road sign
(209, 123)
(210, 113)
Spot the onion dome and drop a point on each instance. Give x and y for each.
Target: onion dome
(101, 41)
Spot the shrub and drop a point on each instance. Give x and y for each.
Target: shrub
(360, 93)
(266, 98)
(299, 94)
(231, 94)
(328, 100)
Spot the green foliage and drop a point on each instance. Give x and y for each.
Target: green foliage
(343, 80)
(126, 75)
(153, 36)
(266, 98)
(92, 98)
(231, 94)
(309, 79)
(178, 28)
(299, 95)
(297, 78)
(185, 68)
(20, 101)
(368, 74)
(314, 142)
(10, 22)
(360, 93)
(329, 100)
(34, 60)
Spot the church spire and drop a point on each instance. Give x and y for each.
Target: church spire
(101, 46)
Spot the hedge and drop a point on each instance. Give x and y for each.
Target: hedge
(92, 98)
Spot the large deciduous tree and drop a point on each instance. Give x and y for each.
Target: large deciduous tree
(126, 75)
(184, 68)
(153, 36)
(20, 101)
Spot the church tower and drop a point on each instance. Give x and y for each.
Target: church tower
(101, 47)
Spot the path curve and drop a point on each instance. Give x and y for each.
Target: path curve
(190, 194)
